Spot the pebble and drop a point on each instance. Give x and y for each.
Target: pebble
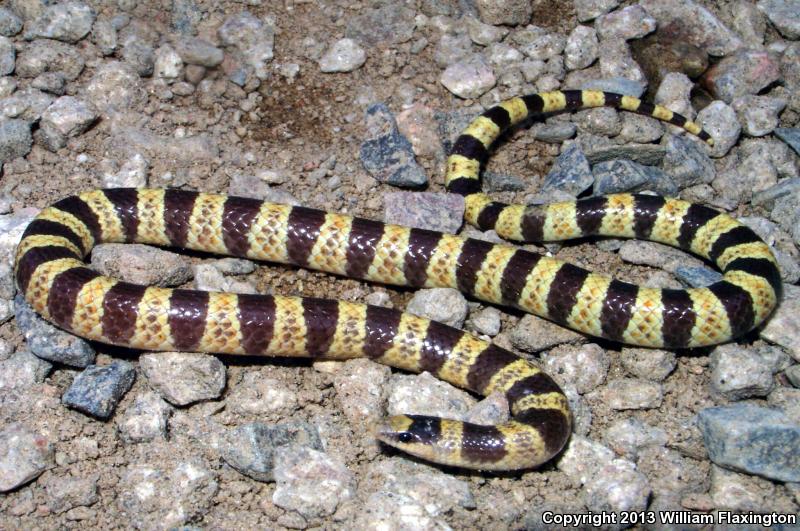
(49, 342)
(10, 23)
(197, 51)
(650, 364)
(254, 38)
(65, 493)
(627, 437)
(469, 78)
(141, 264)
(68, 22)
(533, 334)
(67, 117)
(737, 492)
(451, 48)
(42, 56)
(24, 455)
(27, 104)
(582, 48)
(553, 133)
(345, 55)
(424, 210)
(104, 36)
(503, 56)
(745, 72)
(386, 154)
(719, 120)
(784, 15)
(622, 175)
(617, 85)
(632, 393)
(388, 24)
(585, 366)
(209, 278)
(752, 439)
(310, 482)
(15, 139)
(259, 396)
(7, 56)
(674, 93)
(616, 61)
(7, 86)
(738, 373)
(783, 328)
(132, 174)
(546, 46)
(508, 12)
(486, 321)
(670, 473)
(484, 34)
(787, 400)
(250, 448)
(655, 255)
(168, 63)
(184, 378)
(22, 370)
(570, 172)
(630, 22)
(689, 21)
(145, 420)
(758, 114)
(98, 389)
(387, 510)
(115, 86)
(52, 82)
(687, 162)
(423, 394)
(418, 124)
(591, 9)
(167, 495)
(638, 128)
(791, 136)
(501, 182)
(140, 56)
(359, 391)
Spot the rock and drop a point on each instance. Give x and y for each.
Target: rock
(570, 172)
(52, 82)
(585, 366)
(388, 24)
(197, 51)
(22, 370)
(67, 22)
(582, 48)
(500, 182)
(10, 23)
(470, 77)
(209, 278)
(670, 473)
(418, 125)
(630, 22)
(687, 163)
(7, 56)
(250, 448)
(259, 396)
(98, 389)
(759, 114)
(444, 305)
(509, 12)
(115, 86)
(65, 493)
(533, 334)
(254, 39)
(67, 117)
(15, 139)
(793, 374)
(791, 136)
(617, 85)
(140, 56)
(184, 378)
(310, 482)
(141, 264)
(484, 34)
(132, 174)
(687, 20)
(719, 120)
(24, 455)
(784, 16)
(386, 510)
(752, 439)
(622, 175)
(745, 72)
(674, 93)
(491, 410)
(451, 48)
(42, 56)
(737, 492)
(738, 373)
(386, 154)
(424, 210)
(167, 496)
(590, 9)
(104, 36)
(545, 47)
(627, 437)
(502, 56)
(616, 61)
(423, 394)
(27, 104)
(485, 321)
(359, 391)
(168, 63)
(650, 364)
(783, 328)
(784, 188)
(632, 393)
(345, 55)
(788, 401)
(145, 420)
(49, 342)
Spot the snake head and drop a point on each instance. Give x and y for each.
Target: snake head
(417, 435)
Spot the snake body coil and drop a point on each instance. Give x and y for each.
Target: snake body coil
(50, 272)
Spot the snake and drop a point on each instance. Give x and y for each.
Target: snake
(51, 274)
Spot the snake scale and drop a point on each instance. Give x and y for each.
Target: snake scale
(54, 279)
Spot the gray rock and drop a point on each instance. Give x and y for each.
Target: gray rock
(27, 104)
(546, 46)
(785, 187)
(627, 437)
(793, 373)
(386, 154)
(451, 48)
(145, 420)
(196, 148)
(617, 85)
(791, 136)
(67, 117)
(141, 264)
(749, 23)
(533, 334)
(509, 12)
(423, 394)
(585, 366)
(310, 482)
(382, 510)
(674, 92)
(759, 114)
(638, 128)
(590, 9)
(691, 22)
(209, 278)
(655, 255)
(10, 23)
(783, 328)
(24, 455)
(627, 176)
(444, 305)
(745, 72)
(687, 163)
(570, 172)
(502, 56)
(7, 56)
(15, 139)
(186, 15)
(98, 389)
(140, 56)
(67, 22)
(788, 401)
(132, 174)
(22, 370)
(630, 22)
(485, 321)
(259, 396)
(738, 373)
(697, 277)
(600, 149)
(532, 69)
(52, 82)
(719, 120)
(253, 39)
(104, 36)
(359, 391)
(184, 378)
(502, 182)
(737, 492)
(197, 51)
(115, 86)
(616, 61)
(582, 48)
(469, 78)
(752, 439)
(49, 342)
(670, 473)
(7, 86)
(784, 15)
(345, 55)
(650, 364)
(46, 55)
(484, 34)
(167, 63)
(388, 24)
(65, 493)
(424, 210)
(553, 133)
(599, 121)
(632, 393)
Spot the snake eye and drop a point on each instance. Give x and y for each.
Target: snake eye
(405, 437)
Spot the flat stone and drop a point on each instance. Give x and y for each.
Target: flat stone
(24, 455)
(783, 328)
(423, 394)
(15, 139)
(622, 175)
(585, 366)
(424, 210)
(784, 15)
(534, 334)
(650, 364)
(184, 378)
(630, 22)
(687, 162)
(253, 38)
(627, 437)
(145, 419)
(738, 373)
(141, 264)
(22, 370)
(632, 393)
(759, 114)
(719, 120)
(197, 51)
(386, 154)
(570, 172)
(469, 78)
(98, 389)
(45, 55)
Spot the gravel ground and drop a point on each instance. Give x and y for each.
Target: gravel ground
(350, 107)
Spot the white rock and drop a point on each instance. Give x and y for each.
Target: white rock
(344, 56)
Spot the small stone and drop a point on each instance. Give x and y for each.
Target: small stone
(533, 334)
(617, 85)
(145, 420)
(21, 370)
(45, 55)
(689, 21)
(52, 82)
(532, 69)
(622, 175)
(784, 16)
(669, 473)
(7, 56)
(484, 34)
(630, 22)
(783, 328)
(423, 394)
(503, 56)
(638, 128)
(791, 136)
(793, 373)
(544, 47)
(719, 120)
(65, 493)
(787, 400)
(197, 51)
(745, 72)
(359, 391)
(687, 163)
(491, 410)
(104, 36)
(469, 78)
(10, 23)
(655, 255)
(250, 448)
(418, 125)
(260, 396)
(733, 491)
(424, 210)
(582, 48)
(184, 378)
(738, 373)
(501, 182)
(451, 48)
(98, 389)
(386, 154)
(616, 61)
(759, 114)
(509, 12)
(585, 366)
(650, 364)
(310, 482)
(444, 305)
(132, 174)
(627, 437)
(344, 56)
(591, 9)
(752, 439)
(570, 172)
(67, 22)
(140, 56)
(389, 24)
(168, 63)
(24, 455)
(115, 86)
(141, 264)
(632, 393)
(485, 321)
(49, 342)
(67, 117)
(15, 139)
